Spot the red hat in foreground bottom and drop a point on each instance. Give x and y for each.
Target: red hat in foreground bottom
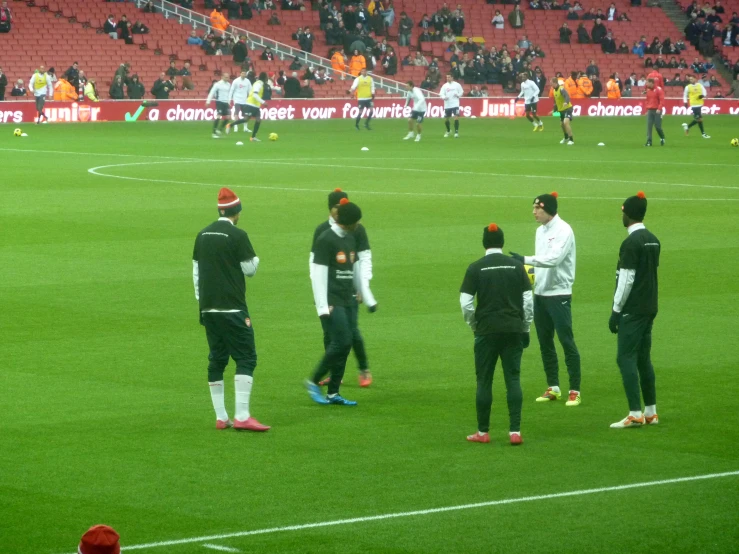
(99, 539)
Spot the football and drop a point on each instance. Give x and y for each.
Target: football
(530, 270)
(735, 142)
(273, 136)
(17, 132)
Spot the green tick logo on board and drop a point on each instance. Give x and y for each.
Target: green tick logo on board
(142, 107)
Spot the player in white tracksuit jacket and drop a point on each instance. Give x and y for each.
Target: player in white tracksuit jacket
(530, 93)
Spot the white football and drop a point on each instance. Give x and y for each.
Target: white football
(239, 143)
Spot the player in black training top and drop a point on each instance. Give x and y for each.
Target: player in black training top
(363, 271)
(634, 310)
(501, 322)
(223, 254)
(333, 279)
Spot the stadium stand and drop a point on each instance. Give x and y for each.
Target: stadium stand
(81, 22)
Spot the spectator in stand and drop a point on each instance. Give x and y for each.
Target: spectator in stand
(698, 66)
(309, 75)
(642, 81)
(693, 30)
(515, 18)
(714, 82)
(611, 13)
(305, 41)
(162, 87)
(638, 49)
(123, 70)
(292, 86)
(91, 92)
(425, 36)
(590, 16)
(623, 17)
(321, 77)
(194, 39)
(306, 91)
(704, 81)
(498, 22)
(149, 8)
(239, 51)
(539, 78)
(19, 89)
(187, 82)
(572, 15)
(390, 62)
(648, 62)
(267, 55)
(598, 32)
(123, 29)
(659, 63)
(583, 37)
(274, 20)
(6, 18)
(135, 88)
(597, 87)
(564, 33)
(187, 4)
(613, 91)
(295, 64)
(656, 76)
(338, 63)
(419, 60)
(457, 22)
(405, 28)
(535, 5)
(470, 46)
(73, 74)
(111, 27)
(623, 48)
(3, 84)
(139, 29)
(218, 21)
(676, 81)
(631, 80)
(387, 11)
(655, 47)
(172, 70)
(116, 89)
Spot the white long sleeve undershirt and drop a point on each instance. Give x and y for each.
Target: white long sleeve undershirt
(623, 288)
(467, 301)
(319, 282)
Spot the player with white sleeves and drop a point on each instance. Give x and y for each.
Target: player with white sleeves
(451, 92)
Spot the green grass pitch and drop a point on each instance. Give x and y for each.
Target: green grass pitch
(106, 416)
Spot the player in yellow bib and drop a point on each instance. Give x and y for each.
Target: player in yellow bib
(364, 85)
(564, 106)
(693, 96)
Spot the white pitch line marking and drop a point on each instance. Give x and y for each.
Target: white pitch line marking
(396, 515)
(221, 548)
(543, 160)
(96, 171)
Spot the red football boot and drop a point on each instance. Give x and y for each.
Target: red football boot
(477, 437)
(250, 424)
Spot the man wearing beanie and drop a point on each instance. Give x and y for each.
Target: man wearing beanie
(363, 272)
(99, 539)
(634, 310)
(501, 325)
(554, 275)
(222, 256)
(333, 280)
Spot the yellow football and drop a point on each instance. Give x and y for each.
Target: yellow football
(273, 136)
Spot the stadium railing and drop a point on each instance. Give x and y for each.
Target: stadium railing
(255, 41)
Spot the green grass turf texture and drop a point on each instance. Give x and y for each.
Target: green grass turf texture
(106, 415)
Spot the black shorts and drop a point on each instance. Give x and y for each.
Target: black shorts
(230, 335)
(418, 116)
(252, 111)
(40, 101)
(565, 114)
(697, 112)
(365, 103)
(222, 108)
(449, 112)
(240, 109)
(531, 108)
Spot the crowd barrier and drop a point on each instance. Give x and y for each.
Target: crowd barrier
(13, 112)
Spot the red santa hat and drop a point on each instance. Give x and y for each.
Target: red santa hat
(99, 539)
(228, 203)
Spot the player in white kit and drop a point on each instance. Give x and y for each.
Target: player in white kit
(451, 92)
(417, 113)
(530, 93)
(240, 90)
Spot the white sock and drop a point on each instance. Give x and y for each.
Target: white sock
(243, 385)
(555, 389)
(575, 391)
(636, 413)
(219, 400)
(411, 134)
(650, 410)
(515, 433)
(535, 123)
